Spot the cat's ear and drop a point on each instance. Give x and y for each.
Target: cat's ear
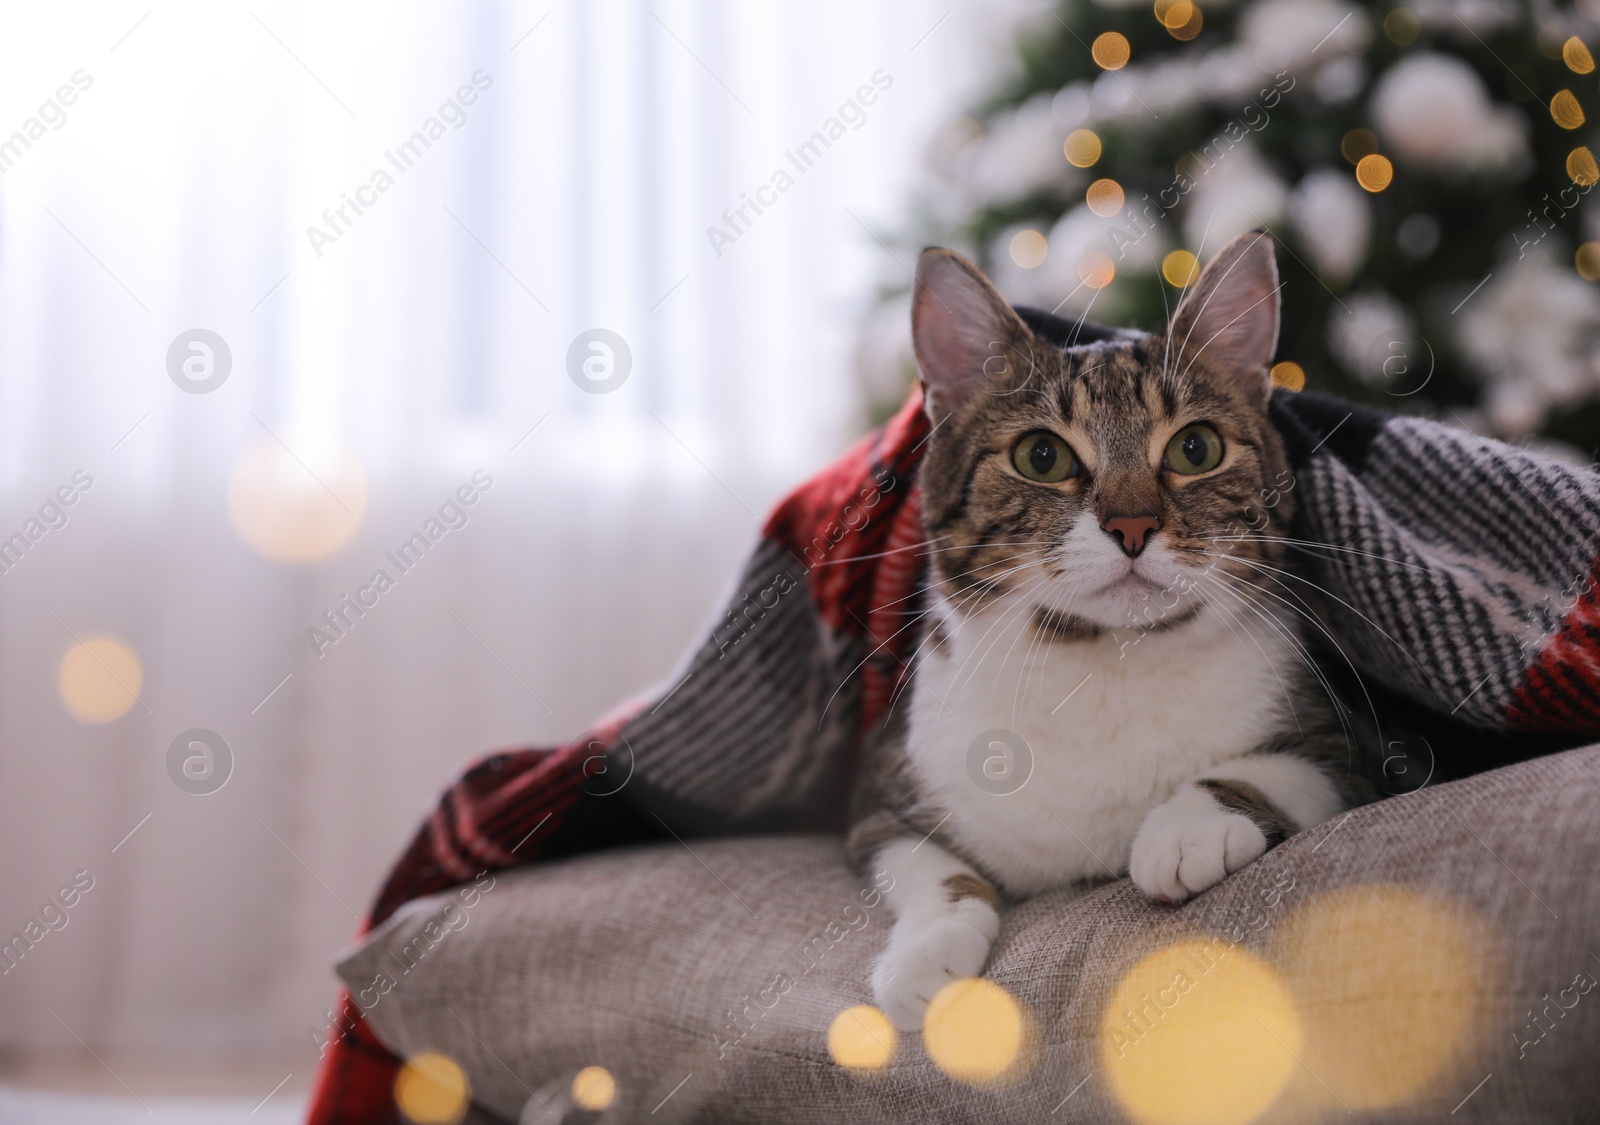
(1228, 319)
(963, 332)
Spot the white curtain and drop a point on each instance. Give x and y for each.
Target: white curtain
(576, 155)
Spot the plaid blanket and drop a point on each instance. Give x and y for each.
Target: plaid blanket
(1456, 576)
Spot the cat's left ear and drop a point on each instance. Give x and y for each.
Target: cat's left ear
(1228, 320)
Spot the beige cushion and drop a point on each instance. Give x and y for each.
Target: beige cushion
(1392, 958)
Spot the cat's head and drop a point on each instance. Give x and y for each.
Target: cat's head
(1130, 481)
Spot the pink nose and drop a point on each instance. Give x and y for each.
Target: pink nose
(1132, 531)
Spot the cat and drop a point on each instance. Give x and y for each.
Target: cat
(1111, 679)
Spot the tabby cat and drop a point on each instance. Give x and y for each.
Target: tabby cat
(1112, 678)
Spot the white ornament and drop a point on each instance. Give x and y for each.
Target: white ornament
(1334, 219)
(1433, 110)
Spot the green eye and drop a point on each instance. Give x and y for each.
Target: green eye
(1193, 450)
(1043, 457)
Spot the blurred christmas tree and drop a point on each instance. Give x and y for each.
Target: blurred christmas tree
(1424, 167)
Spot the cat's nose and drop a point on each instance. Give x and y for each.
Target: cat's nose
(1133, 532)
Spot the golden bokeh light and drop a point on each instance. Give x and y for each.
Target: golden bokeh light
(1581, 167)
(974, 1031)
(1081, 148)
(1199, 1032)
(100, 679)
(1290, 376)
(297, 507)
(1029, 249)
(1104, 198)
(1587, 261)
(1576, 55)
(432, 1090)
(1096, 269)
(593, 1089)
(1180, 268)
(1374, 172)
(1402, 26)
(1358, 143)
(1111, 50)
(1565, 110)
(1193, 22)
(861, 1038)
(1393, 987)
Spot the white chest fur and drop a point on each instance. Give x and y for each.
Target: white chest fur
(1144, 716)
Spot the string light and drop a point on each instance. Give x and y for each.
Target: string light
(1393, 989)
(292, 510)
(1582, 168)
(1565, 110)
(1104, 198)
(1185, 21)
(1358, 143)
(1081, 148)
(1111, 50)
(100, 679)
(861, 1038)
(593, 1089)
(1374, 172)
(1576, 55)
(1180, 268)
(1029, 249)
(1587, 261)
(432, 1090)
(1402, 26)
(973, 1031)
(1289, 376)
(1200, 1031)
(1096, 269)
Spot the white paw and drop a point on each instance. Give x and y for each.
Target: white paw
(1189, 844)
(924, 955)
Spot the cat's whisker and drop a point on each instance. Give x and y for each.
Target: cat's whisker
(959, 606)
(1305, 656)
(1272, 572)
(1309, 545)
(1317, 623)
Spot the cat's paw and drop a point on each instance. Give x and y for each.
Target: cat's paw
(924, 955)
(1191, 843)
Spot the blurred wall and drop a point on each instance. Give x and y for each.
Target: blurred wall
(194, 167)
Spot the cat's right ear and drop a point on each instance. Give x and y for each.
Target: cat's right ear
(963, 332)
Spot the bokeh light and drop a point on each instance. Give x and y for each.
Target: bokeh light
(100, 679)
(1199, 1033)
(1288, 375)
(1180, 268)
(1184, 21)
(1358, 143)
(1104, 198)
(1402, 26)
(974, 1031)
(1581, 167)
(1576, 55)
(1029, 248)
(296, 507)
(432, 1090)
(1081, 148)
(1565, 110)
(1587, 261)
(1096, 269)
(1374, 172)
(1111, 50)
(1392, 986)
(593, 1089)
(861, 1038)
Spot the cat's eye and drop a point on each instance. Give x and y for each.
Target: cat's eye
(1193, 450)
(1043, 457)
